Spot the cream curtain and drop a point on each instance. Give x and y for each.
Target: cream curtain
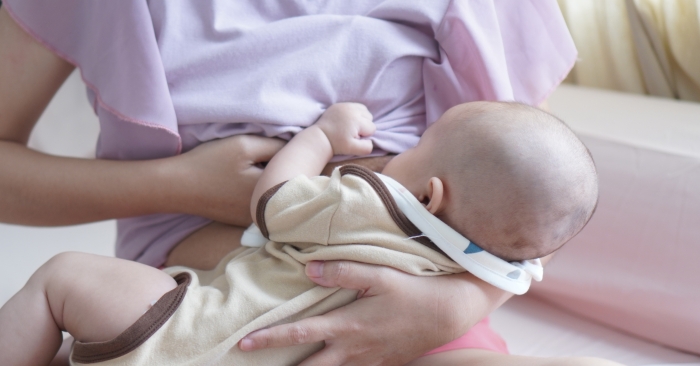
(640, 46)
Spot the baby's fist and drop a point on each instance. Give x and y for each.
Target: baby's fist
(345, 124)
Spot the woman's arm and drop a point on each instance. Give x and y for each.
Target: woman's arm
(397, 318)
(39, 189)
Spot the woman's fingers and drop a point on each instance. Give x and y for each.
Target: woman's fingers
(216, 179)
(367, 278)
(261, 149)
(350, 275)
(324, 357)
(309, 330)
(398, 318)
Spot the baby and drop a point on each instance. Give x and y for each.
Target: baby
(512, 179)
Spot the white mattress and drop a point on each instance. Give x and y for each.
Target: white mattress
(530, 326)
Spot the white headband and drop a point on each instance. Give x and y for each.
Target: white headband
(513, 277)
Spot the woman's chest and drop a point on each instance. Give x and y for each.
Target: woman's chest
(283, 63)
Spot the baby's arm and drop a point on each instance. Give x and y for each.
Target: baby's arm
(337, 132)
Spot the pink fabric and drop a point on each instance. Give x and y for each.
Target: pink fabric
(165, 76)
(480, 336)
(634, 267)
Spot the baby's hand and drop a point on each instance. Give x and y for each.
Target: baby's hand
(345, 124)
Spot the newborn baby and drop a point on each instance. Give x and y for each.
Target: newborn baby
(511, 178)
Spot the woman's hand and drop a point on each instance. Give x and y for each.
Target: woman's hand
(216, 179)
(397, 317)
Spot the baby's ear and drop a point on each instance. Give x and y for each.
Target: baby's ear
(436, 193)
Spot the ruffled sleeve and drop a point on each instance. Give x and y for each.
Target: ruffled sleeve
(497, 50)
(114, 46)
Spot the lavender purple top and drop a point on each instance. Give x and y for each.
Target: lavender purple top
(164, 76)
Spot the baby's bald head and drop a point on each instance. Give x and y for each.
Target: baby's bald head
(518, 182)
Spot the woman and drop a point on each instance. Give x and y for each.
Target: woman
(165, 77)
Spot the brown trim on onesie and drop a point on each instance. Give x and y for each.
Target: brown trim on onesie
(260, 209)
(371, 178)
(137, 333)
(399, 218)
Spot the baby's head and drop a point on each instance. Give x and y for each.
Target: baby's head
(511, 178)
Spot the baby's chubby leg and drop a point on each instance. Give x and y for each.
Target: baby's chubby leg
(479, 357)
(94, 298)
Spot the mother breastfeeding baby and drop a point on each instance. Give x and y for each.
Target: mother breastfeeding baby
(510, 176)
(165, 77)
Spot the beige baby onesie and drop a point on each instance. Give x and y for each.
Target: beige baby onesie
(349, 216)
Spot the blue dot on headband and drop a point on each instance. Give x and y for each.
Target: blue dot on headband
(472, 248)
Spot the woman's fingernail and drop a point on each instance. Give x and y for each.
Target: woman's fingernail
(246, 344)
(314, 269)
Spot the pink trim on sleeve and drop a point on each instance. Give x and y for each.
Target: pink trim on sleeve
(25, 14)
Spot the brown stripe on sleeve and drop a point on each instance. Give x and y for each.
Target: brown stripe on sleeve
(260, 210)
(137, 333)
(399, 218)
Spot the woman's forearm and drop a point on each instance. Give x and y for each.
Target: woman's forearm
(40, 189)
(483, 298)
(214, 180)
